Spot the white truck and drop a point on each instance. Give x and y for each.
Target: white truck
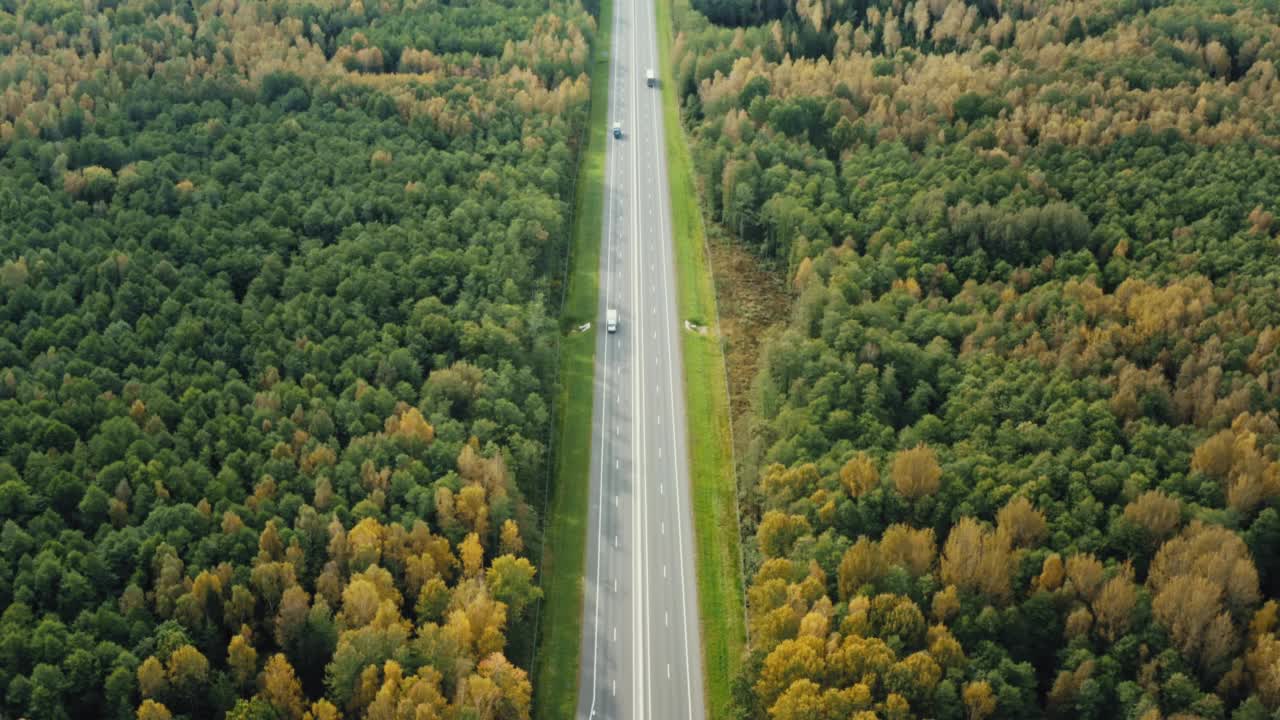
(611, 320)
(650, 77)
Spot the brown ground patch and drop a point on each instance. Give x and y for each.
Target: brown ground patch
(753, 299)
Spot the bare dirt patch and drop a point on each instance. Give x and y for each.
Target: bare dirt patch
(753, 299)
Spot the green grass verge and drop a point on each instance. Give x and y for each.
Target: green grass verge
(556, 671)
(711, 470)
(564, 544)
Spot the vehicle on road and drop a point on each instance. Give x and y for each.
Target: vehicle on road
(640, 651)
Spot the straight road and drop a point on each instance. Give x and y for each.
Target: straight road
(641, 652)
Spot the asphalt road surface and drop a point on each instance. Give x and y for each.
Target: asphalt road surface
(641, 654)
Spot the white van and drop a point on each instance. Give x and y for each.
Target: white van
(611, 320)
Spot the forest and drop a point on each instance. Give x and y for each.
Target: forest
(278, 295)
(1014, 451)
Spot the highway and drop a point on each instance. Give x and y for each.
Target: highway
(641, 653)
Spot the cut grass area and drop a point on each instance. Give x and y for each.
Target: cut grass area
(564, 543)
(711, 462)
(715, 520)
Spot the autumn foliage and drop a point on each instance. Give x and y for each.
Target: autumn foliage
(277, 346)
(1029, 374)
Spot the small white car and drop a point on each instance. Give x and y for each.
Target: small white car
(611, 320)
(617, 130)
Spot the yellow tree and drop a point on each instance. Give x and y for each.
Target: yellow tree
(773, 617)
(1232, 457)
(1156, 512)
(365, 542)
(510, 542)
(1086, 575)
(446, 513)
(914, 677)
(1066, 686)
(472, 554)
(1214, 553)
(411, 427)
(171, 581)
(476, 619)
(187, 672)
(895, 707)
(858, 659)
(360, 602)
(270, 545)
(1079, 623)
(1022, 523)
(786, 484)
(205, 598)
(946, 603)
(817, 622)
(803, 700)
(804, 273)
(779, 531)
(280, 688)
(418, 569)
(790, 661)
(916, 472)
(152, 710)
(151, 679)
(323, 493)
(944, 648)
(906, 547)
(1263, 663)
(242, 658)
(231, 523)
(473, 509)
(859, 475)
(513, 685)
(979, 700)
(860, 565)
(1113, 607)
(1191, 608)
(1052, 573)
(413, 697)
(294, 605)
(977, 559)
(322, 710)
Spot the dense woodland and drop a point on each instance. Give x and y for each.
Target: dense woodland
(1014, 454)
(278, 286)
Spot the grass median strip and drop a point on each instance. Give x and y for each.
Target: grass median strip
(706, 394)
(564, 544)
